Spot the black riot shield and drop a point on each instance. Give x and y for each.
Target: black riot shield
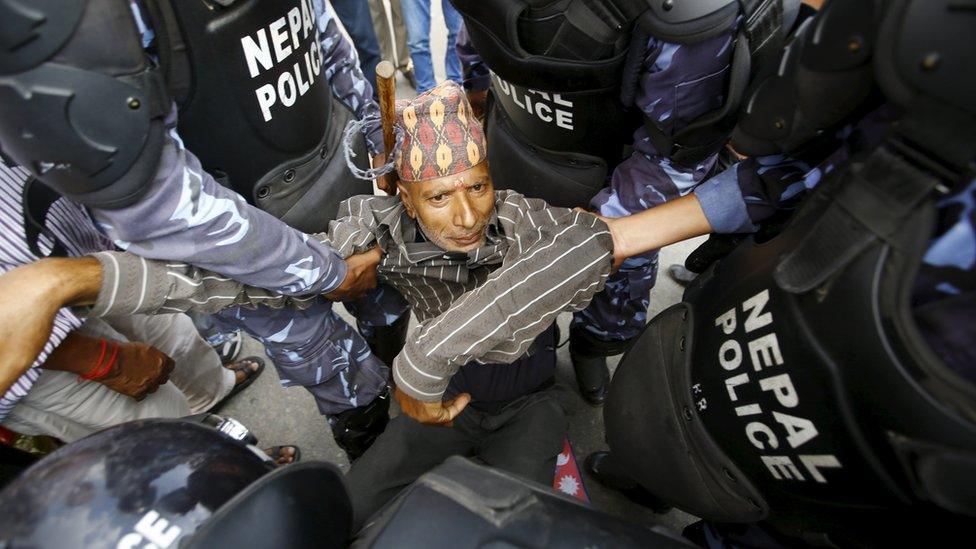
(792, 384)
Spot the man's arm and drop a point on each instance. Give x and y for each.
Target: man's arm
(560, 266)
(135, 285)
(132, 368)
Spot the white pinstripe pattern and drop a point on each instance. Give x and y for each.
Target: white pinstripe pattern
(72, 226)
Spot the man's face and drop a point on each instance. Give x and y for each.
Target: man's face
(454, 210)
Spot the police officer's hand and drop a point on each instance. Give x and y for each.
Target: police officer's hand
(134, 369)
(385, 183)
(431, 413)
(478, 100)
(360, 276)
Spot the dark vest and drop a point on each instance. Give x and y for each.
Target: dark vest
(557, 126)
(564, 75)
(492, 386)
(793, 383)
(255, 106)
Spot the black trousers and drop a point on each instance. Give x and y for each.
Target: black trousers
(524, 437)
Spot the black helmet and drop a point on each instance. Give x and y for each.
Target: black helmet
(151, 481)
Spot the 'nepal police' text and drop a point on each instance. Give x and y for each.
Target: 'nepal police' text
(285, 38)
(775, 432)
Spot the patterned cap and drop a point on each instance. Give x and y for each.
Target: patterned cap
(441, 136)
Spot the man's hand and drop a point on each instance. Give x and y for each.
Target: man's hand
(30, 297)
(478, 100)
(431, 413)
(360, 276)
(386, 183)
(138, 370)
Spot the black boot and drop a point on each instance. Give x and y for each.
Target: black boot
(386, 341)
(355, 430)
(589, 356)
(592, 377)
(602, 467)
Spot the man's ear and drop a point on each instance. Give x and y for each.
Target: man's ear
(407, 199)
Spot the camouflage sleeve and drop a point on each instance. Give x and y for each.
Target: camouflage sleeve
(344, 75)
(476, 75)
(187, 216)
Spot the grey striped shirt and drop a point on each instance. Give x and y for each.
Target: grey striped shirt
(487, 305)
(73, 227)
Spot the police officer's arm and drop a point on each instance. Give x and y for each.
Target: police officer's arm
(185, 215)
(657, 227)
(476, 75)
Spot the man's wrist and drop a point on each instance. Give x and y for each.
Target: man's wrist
(430, 393)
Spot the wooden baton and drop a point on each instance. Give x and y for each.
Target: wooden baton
(386, 90)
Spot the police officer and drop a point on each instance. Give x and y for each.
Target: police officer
(153, 113)
(820, 381)
(574, 84)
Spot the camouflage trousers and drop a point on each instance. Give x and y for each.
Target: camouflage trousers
(619, 312)
(316, 349)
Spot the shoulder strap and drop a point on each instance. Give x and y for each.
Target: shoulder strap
(37, 201)
(172, 49)
(926, 153)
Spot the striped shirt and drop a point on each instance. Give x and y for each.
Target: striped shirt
(72, 226)
(486, 305)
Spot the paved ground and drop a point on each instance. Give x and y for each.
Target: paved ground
(279, 416)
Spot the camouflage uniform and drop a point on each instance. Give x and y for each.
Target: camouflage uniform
(186, 215)
(678, 83)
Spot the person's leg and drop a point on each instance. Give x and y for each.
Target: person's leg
(404, 452)
(453, 20)
(317, 350)
(198, 372)
(63, 406)
(526, 436)
(382, 317)
(355, 17)
(400, 37)
(416, 14)
(381, 27)
(616, 315)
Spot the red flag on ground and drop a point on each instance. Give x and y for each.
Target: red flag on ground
(568, 479)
